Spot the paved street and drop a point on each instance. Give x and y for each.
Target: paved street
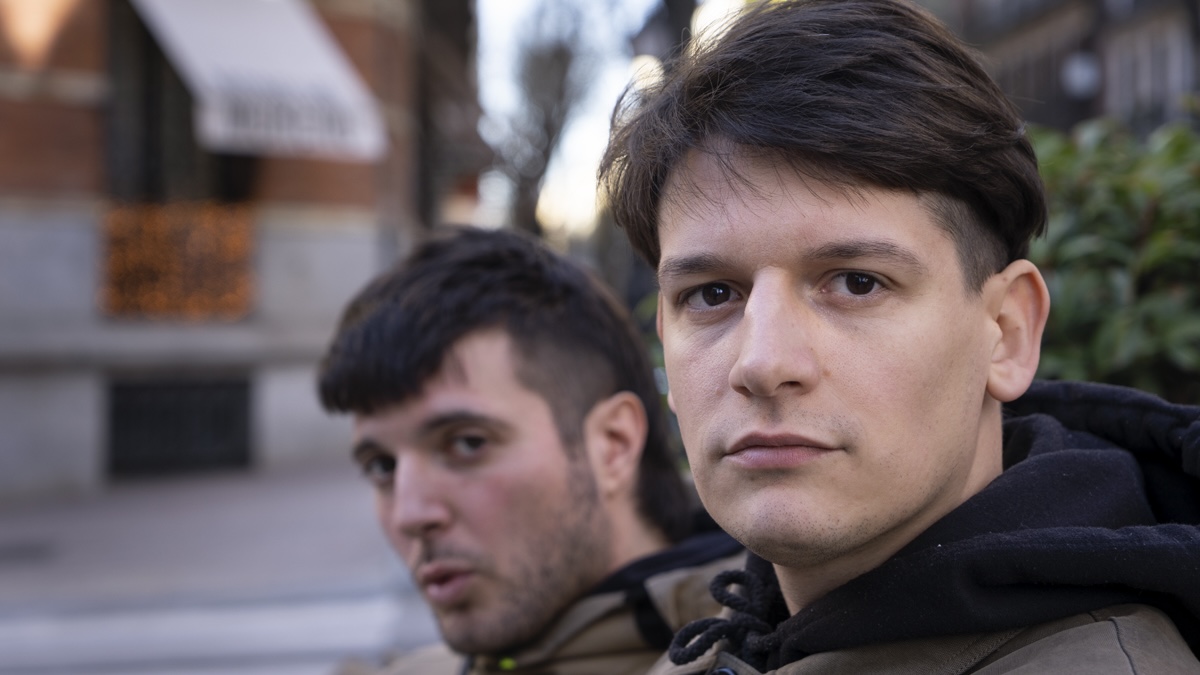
(238, 574)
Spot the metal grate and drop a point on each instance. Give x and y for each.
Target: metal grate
(171, 427)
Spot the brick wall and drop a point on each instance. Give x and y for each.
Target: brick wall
(51, 96)
(52, 107)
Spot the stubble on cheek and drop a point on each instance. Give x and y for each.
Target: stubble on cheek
(554, 563)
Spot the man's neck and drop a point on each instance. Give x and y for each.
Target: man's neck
(633, 540)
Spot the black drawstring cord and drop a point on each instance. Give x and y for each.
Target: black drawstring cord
(746, 631)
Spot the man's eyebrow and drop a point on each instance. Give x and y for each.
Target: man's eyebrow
(454, 418)
(707, 263)
(432, 425)
(870, 249)
(701, 263)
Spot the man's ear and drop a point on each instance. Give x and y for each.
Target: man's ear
(614, 434)
(1019, 303)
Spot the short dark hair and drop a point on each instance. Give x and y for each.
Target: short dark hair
(852, 93)
(576, 345)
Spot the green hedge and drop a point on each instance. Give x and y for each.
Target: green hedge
(1122, 257)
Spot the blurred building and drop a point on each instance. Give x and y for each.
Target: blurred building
(190, 190)
(1064, 61)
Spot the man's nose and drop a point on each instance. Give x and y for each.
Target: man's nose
(420, 505)
(775, 341)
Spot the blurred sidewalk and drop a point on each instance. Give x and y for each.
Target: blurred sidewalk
(246, 573)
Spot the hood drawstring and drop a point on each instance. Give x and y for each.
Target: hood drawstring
(748, 632)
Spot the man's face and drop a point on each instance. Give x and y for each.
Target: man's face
(827, 364)
(500, 526)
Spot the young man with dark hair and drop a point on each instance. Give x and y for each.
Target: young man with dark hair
(838, 202)
(506, 412)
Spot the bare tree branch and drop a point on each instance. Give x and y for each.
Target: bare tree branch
(556, 63)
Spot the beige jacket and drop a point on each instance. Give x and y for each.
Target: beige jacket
(596, 636)
(1126, 639)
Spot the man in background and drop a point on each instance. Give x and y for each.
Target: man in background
(838, 202)
(506, 413)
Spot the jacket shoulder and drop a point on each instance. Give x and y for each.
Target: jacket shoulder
(431, 660)
(682, 595)
(1122, 639)
(1125, 639)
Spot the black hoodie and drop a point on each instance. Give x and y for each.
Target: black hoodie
(1099, 505)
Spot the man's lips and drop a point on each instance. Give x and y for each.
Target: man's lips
(776, 451)
(445, 582)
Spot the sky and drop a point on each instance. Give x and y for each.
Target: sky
(568, 198)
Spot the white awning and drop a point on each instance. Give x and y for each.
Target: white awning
(267, 78)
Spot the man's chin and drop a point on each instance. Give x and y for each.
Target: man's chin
(474, 645)
(472, 633)
(459, 633)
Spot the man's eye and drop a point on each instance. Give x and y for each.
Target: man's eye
(467, 446)
(380, 470)
(709, 295)
(859, 283)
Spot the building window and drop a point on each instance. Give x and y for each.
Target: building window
(174, 426)
(1149, 72)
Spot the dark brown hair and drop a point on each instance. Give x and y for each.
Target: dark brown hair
(576, 344)
(852, 93)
